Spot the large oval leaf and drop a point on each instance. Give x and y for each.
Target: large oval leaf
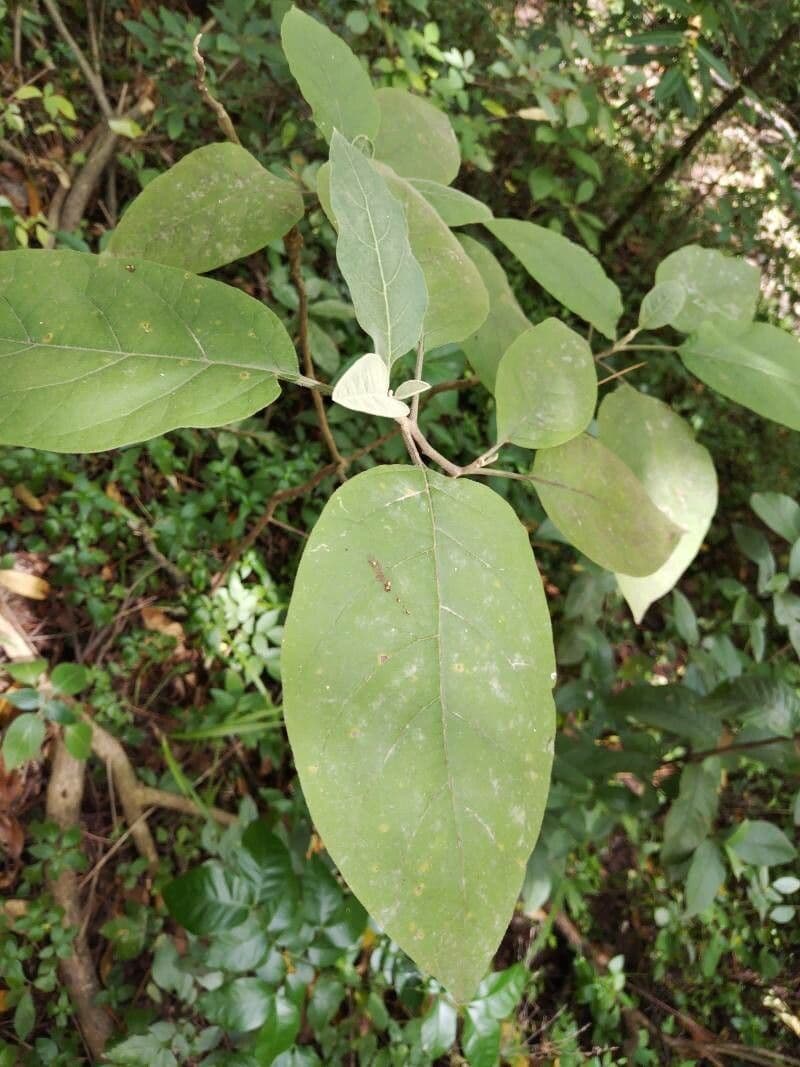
(415, 138)
(505, 321)
(97, 352)
(417, 668)
(458, 302)
(214, 206)
(565, 270)
(601, 507)
(330, 77)
(374, 254)
(453, 207)
(546, 387)
(759, 367)
(676, 472)
(719, 288)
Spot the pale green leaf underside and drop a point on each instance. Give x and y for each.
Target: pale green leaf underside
(601, 507)
(505, 322)
(453, 207)
(546, 387)
(718, 288)
(565, 270)
(676, 472)
(330, 78)
(214, 206)
(97, 352)
(415, 138)
(758, 367)
(458, 302)
(417, 669)
(365, 387)
(374, 254)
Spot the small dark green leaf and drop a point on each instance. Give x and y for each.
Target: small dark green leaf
(439, 1028)
(265, 861)
(78, 739)
(27, 671)
(481, 1036)
(24, 699)
(208, 898)
(279, 1030)
(778, 511)
(69, 679)
(706, 875)
(761, 843)
(24, 1016)
(689, 820)
(241, 1005)
(22, 740)
(685, 618)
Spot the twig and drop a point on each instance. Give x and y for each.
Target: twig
(621, 373)
(161, 798)
(223, 118)
(417, 375)
(64, 797)
(428, 450)
(27, 159)
(410, 443)
(18, 13)
(293, 243)
(93, 79)
(110, 750)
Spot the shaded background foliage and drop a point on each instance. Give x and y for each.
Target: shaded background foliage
(620, 951)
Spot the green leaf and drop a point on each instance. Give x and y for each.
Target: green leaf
(365, 387)
(126, 128)
(279, 1030)
(458, 301)
(266, 863)
(761, 843)
(546, 387)
(689, 820)
(600, 505)
(330, 77)
(78, 739)
(22, 740)
(241, 1005)
(719, 288)
(565, 270)
(685, 618)
(438, 1031)
(758, 368)
(411, 387)
(453, 207)
(415, 138)
(208, 899)
(662, 305)
(778, 511)
(96, 353)
(505, 322)
(24, 1016)
(69, 679)
(215, 205)
(500, 991)
(374, 254)
(326, 998)
(323, 349)
(706, 876)
(27, 671)
(480, 1039)
(676, 473)
(417, 669)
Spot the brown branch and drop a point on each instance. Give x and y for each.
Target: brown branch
(32, 162)
(93, 79)
(64, 797)
(223, 118)
(110, 750)
(101, 154)
(293, 243)
(160, 798)
(688, 145)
